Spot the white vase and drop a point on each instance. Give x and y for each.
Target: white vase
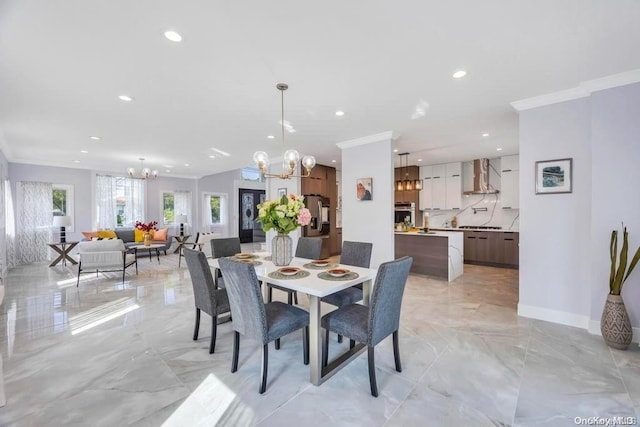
(281, 249)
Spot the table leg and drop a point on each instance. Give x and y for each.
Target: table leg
(315, 340)
(157, 255)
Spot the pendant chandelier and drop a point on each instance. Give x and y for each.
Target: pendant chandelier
(289, 157)
(407, 184)
(144, 172)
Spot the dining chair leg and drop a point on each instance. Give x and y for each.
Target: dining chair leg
(214, 332)
(290, 298)
(277, 343)
(305, 345)
(295, 297)
(197, 328)
(265, 364)
(269, 293)
(339, 338)
(236, 351)
(325, 348)
(372, 371)
(352, 344)
(396, 351)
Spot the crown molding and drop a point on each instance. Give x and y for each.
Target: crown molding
(384, 136)
(583, 90)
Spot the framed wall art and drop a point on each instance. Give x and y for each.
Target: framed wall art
(364, 189)
(553, 176)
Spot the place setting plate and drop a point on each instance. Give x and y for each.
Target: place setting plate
(244, 255)
(320, 264)
(338, 274)
(288, 273)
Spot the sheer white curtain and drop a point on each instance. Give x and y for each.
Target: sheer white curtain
(182, 204)
(207, 218)
(106, 202)
(134, 201)
(33, 219)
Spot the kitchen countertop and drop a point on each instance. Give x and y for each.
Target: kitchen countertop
(429, 234)
(503, 230)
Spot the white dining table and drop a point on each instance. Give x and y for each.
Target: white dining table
(316, 288)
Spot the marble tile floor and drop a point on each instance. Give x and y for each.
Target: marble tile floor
(109, 353)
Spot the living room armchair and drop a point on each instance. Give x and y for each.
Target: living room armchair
(104, 256)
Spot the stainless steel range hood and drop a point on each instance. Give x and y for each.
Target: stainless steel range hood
(481, 178)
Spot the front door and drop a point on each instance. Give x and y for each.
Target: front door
(249, 229)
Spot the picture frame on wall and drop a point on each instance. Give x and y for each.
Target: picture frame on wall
(364, 189)
(282, 191)
(554, 176)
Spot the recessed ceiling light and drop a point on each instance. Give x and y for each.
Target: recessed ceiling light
(395, 150)
(95, 138)
(168, 171)
(459, 74)
(125, 98)
(498, 149)
(167, 166)
(212, 157)
(75, 161)
(485, 134)
(187, 164)
(419, 160)
(339, 113)
(84, 151)
(173, 36)
(270, 137)
(333, 161)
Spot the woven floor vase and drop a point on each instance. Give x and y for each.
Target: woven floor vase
(615, 324)
(281, 249)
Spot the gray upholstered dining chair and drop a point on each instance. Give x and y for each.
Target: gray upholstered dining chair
(255, 319)
(371, 324)
(221, 247)
(207, 297)
(357, 254)
(308, 247)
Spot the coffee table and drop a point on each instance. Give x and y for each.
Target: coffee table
(151, 247)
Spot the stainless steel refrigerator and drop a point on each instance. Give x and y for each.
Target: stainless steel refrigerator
(319, 225)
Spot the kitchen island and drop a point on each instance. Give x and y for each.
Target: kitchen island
(436, 253)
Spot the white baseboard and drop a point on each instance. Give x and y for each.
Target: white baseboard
(555, 316)
(569, 319)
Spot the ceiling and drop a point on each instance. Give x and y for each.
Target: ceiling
(387, 65)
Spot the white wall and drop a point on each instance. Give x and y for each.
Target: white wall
(555, 228)
(564, 238)
(369, 221)
(615, 141)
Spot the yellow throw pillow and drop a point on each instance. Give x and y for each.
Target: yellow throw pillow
(138, 235)
(160, 235)
(107, 234)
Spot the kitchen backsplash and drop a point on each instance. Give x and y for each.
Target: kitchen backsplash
(494, 215)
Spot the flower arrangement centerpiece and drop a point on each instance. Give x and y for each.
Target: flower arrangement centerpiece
(146, 227)
(284, 215)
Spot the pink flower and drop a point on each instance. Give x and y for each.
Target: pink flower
(304, 216)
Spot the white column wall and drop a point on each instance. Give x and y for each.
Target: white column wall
(369, 221)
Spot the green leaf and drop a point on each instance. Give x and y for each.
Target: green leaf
(634, 261)
(613, 251)
(623, 262)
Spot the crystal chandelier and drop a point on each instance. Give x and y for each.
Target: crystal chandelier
(144, 172)
(289, 157)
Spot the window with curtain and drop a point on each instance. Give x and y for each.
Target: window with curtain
(214, 212)
(32, 223)
(176, 203)
(120, 201)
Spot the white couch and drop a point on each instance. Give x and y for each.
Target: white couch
(104, 256)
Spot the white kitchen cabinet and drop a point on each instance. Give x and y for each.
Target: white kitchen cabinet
(441, 186)
(510, 179)
(426, 194)
(453, 183)
(467, 176)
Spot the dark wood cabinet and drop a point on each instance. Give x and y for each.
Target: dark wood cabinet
(491, 248)
(322, 182)
(316, 183)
